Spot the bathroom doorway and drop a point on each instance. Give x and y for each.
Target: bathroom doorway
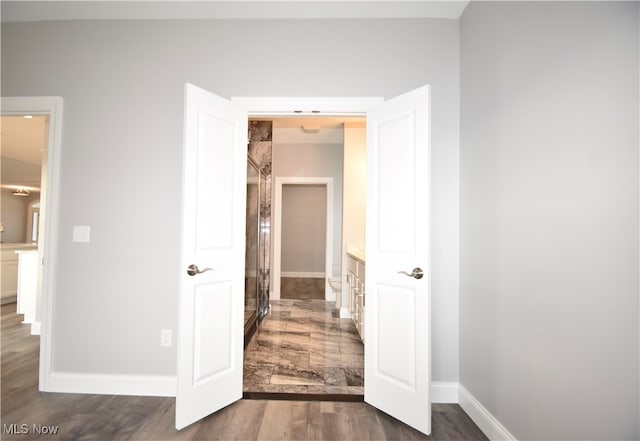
(304, 346)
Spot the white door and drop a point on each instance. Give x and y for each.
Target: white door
(211, 306)
(397, 311)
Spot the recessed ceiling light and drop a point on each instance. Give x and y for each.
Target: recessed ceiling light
(28, 116)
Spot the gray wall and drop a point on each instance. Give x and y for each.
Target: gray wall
(314, 160)
(549, 216)
(122, 84)
(304, 228)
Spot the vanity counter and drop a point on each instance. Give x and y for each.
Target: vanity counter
(10, 269)
(356, 253)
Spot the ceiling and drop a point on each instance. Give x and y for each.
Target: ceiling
(16, 11)
(22, 142)
(311, 130)
(328, 122)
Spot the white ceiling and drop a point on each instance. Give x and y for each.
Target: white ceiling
(328, 122)
(13, 11)
(311, 130)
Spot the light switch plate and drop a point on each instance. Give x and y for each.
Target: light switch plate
(81, 233)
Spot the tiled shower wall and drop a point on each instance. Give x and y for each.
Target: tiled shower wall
(260, 151)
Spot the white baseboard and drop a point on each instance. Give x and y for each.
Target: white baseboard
(302, 275)
(345, 313)
(35, 328)
(491, 427)
(143, 385)
(444, 392)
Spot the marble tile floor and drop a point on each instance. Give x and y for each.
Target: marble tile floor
(302, 346)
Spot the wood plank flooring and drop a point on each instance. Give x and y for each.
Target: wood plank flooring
(107, 418)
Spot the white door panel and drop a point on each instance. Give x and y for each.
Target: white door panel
(397, 326)
(211, 305)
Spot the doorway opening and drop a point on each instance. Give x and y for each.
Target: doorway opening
(48, 109)
(303, 243)
(304, 231)
(308, 343)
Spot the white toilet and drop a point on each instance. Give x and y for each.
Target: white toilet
(335, 282)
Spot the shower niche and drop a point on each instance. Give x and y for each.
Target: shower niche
(258, 234)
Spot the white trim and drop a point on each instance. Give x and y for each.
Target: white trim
(36, 328)
(444, 392)
(345, 312)
(142, 385)
(305, 106)
(492, 428)
(49, 218)
(277, 229)
(302, 275)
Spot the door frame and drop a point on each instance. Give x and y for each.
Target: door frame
(277, 229)
(49, 218)
(307, 106)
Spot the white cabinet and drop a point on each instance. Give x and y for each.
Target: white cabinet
(27, 284)
(9, 272)
(9, 275)
(355, 280)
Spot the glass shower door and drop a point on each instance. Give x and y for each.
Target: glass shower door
(252, 246)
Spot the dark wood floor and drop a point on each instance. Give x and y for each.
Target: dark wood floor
(106, 417)
(302, 288)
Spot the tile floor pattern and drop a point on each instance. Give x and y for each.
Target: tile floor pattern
(302, 346)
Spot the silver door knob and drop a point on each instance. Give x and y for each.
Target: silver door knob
(192, 270)
(416, 273)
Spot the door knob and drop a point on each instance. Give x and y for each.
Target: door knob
(192, 270)
(416, 273)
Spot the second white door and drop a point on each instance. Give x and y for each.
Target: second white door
(397, 311)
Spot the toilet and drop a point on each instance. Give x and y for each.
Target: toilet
(335, 282)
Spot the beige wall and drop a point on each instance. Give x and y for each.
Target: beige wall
(14, 217)
(353, 195)
(354, 185)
